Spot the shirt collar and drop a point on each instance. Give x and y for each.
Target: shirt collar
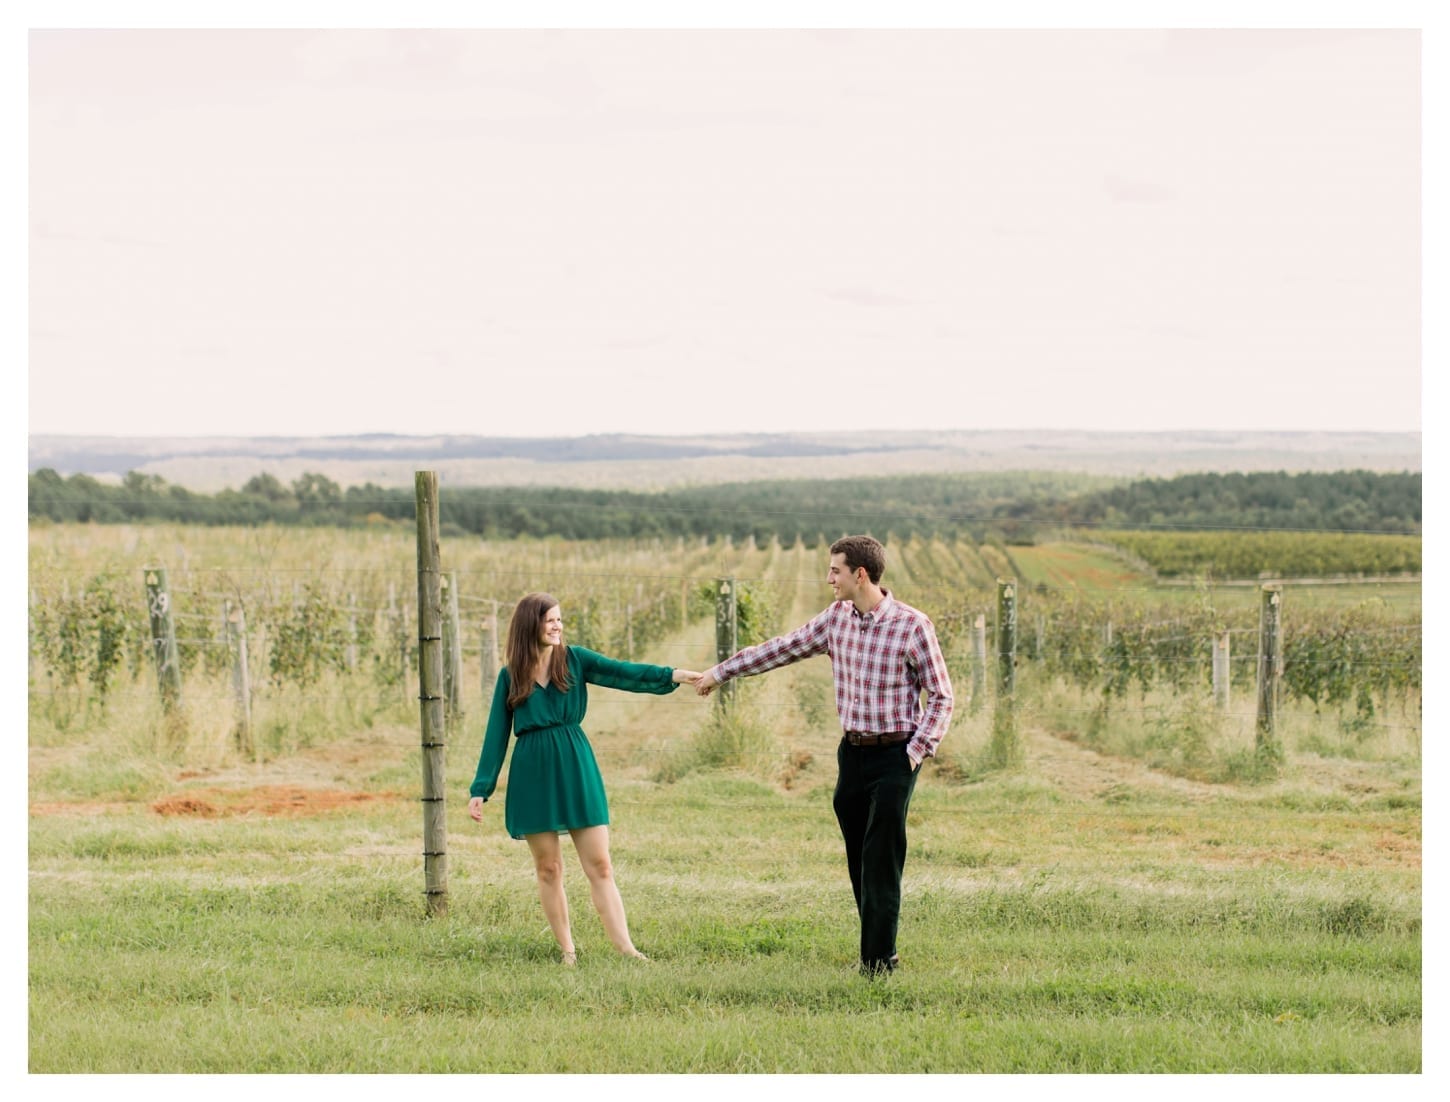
(880, 612)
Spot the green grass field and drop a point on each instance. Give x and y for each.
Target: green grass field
(1043, 930)
(193, 912)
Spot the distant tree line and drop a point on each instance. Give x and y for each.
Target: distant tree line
(1342, 501)
(1012, 506)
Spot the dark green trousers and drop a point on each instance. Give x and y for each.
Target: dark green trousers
(873, 791)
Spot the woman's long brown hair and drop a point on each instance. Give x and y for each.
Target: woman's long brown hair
(522, 649)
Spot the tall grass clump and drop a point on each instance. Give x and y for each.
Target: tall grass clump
(734, 735)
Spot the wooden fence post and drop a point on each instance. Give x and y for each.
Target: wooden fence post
(236, 621)
(488, 653)
(163, 638)
(1221, 670)
(726, 632)
(430, 694)
(1271, 666)
(1005, 748)
(979, 661)
(452, 651)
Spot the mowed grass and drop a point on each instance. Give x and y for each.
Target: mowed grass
(1094, 572)
(1040, 933)
(1076, 567)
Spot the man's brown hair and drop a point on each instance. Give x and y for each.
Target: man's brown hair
(862, 551)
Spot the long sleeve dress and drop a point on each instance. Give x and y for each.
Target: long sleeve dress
(554, 782)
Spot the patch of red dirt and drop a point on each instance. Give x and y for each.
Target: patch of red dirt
(276, 801)
(185, 805)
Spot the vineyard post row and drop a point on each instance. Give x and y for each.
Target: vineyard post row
(1005, 748)
(1270, 659)
(162, 642)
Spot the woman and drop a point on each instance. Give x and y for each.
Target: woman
(554, 783)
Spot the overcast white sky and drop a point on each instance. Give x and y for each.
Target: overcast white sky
(561, 232)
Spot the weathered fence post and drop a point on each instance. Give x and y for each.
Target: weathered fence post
(430, 693)
(163, 638)
(979, 661)
(236, 621)
(726, 631)
(488, 653)
(1221, 670)
(452, 651)
(1005, 746)
(1271, 666)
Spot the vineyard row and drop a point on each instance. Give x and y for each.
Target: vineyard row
(87, 641)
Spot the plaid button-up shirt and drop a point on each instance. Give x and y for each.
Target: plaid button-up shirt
(881, 662)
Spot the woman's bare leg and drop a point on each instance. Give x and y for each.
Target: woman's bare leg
(592, 844)
(549, 870)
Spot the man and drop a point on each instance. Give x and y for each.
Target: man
(883, 655)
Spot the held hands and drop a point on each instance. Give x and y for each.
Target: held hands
(685, 677)
(706, 683)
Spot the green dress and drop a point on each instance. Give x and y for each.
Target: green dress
(554, 782)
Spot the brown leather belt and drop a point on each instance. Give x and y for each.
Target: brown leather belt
(865, 738)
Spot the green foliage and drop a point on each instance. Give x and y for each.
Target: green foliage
(1277, 554)
(109, 619)
(308, 637)
(757, 609)
(1346, 501)
(1360, 654)
(1007, 507)
(323, 668)
(1364, 653)
(89, 635)
(757, 613)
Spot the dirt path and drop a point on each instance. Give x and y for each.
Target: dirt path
(1082, 773)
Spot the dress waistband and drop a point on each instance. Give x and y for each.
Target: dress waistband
(550, 727)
